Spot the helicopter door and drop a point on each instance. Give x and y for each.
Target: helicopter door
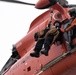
(70, 38)
(67, 35)
(73, 37)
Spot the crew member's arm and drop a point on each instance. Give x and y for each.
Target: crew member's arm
(37, 35)
(40, 34)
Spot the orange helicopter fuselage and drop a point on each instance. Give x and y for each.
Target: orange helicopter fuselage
(27, 65)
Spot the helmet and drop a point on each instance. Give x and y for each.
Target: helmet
(72, 12)
(57, 24)
(57, 21)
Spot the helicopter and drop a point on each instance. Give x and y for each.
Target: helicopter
(20, 62)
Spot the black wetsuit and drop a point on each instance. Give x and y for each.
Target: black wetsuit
(60, 36)
(49, 40)
(40, 43)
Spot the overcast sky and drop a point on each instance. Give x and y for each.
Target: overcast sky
(15, 20)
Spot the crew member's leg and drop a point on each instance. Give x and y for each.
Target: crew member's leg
(37, 48)
(47, 44)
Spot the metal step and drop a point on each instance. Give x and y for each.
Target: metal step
(51, 63)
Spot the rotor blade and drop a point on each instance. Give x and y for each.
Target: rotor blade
(14, 1)
(69, 6)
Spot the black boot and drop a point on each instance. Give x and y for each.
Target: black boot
(34, 54)
(45, 52)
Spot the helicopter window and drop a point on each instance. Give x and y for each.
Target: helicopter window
(29, 68)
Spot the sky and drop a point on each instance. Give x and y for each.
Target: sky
(15, 20)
